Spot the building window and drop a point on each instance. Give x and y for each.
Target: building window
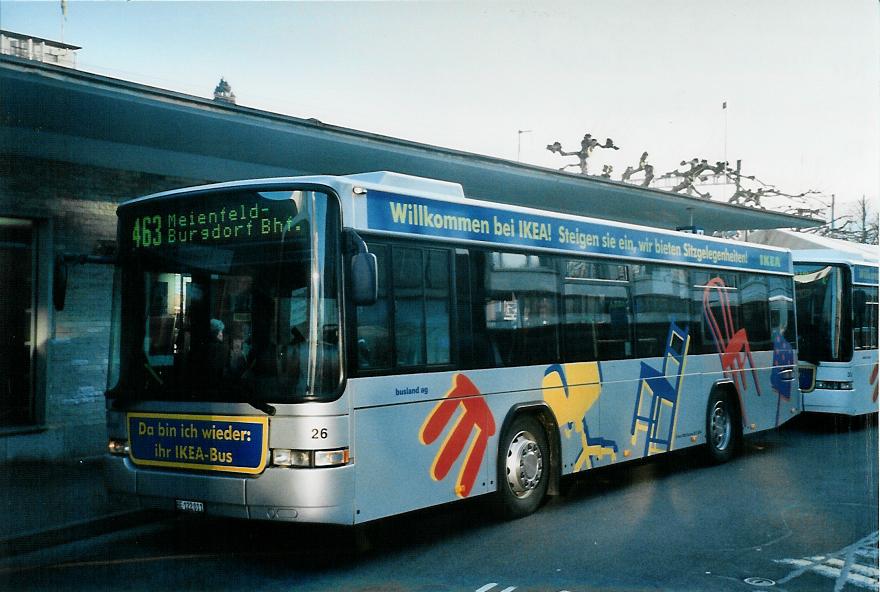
(17, 323)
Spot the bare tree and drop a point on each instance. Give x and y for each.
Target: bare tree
(643, 166)
(588, 144)
(698, 170)
(864, 227)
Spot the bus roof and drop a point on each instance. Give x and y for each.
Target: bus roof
(405, 205)
(811, 248)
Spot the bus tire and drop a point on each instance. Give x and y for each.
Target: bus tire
(723, 427)
(523, 467)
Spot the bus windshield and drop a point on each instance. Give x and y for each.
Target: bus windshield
(824, 330)
(228, 296)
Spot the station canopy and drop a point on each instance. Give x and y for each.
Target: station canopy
(61, 114)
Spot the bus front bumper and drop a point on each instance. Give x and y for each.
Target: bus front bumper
(844, 402)
(324, 495)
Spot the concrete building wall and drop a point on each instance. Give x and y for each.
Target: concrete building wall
(74, 207)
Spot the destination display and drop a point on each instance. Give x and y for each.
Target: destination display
(232, 444)
(416, 215)
(221, 218)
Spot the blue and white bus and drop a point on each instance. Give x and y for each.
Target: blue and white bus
(836, 290)
(836, 299)
(341, 349)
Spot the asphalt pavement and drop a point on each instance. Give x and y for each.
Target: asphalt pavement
(50, 503)
(797, 511)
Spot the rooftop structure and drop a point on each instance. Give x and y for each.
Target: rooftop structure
(38, 49)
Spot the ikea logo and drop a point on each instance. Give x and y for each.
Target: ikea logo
(771, 261)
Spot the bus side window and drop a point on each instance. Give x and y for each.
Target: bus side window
(437, 306)
(520, 303)
(408, 314)
(756, 310)
(781, 298)
(598, 318)
(717, 296)
(865, 317)
(409, 325)
(467, 341)
(660, 297)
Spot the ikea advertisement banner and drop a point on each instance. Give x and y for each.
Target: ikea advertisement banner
(428, 217)
(205, 442)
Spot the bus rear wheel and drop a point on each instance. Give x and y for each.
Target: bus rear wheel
(523, 468)
(723, 428)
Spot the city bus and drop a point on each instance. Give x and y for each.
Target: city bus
(836, 301)
(339, 349)
(836, 285)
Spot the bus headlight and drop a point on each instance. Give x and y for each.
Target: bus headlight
(118, 447)
(331, 458)
(834, 385)
(283, 457)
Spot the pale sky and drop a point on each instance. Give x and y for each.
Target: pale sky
(801, 78)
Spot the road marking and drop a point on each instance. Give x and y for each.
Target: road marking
(871, 572)
(491, 585)
(824, 569)
(842, 566)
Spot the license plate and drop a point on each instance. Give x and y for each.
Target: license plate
(188, 506)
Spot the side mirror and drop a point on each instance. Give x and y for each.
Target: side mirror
(364, 274)
(59, 282)
(364, 279)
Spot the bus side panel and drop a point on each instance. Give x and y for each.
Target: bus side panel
(768, 397)
(428, 439)
(652, 406)
(865, 381)
(572, 392)
(610, 412)
(423, 440)
(393, 468)
(664, 408)
(433, 438)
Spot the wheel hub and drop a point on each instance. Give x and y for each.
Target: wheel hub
(525, 464)
(721, 427)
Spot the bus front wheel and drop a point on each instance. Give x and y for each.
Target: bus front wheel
(523, 467)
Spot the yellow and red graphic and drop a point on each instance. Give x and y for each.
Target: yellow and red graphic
(571, 390)
(473, 415)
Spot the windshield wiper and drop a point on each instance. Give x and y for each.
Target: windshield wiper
(264, 407)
